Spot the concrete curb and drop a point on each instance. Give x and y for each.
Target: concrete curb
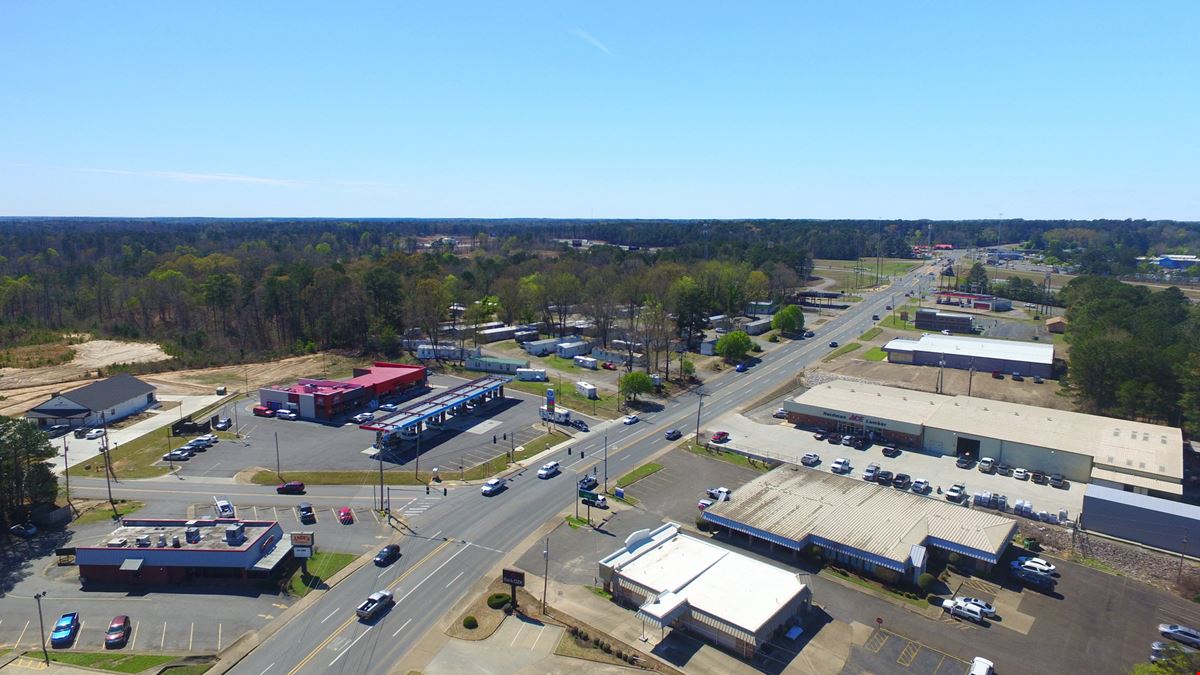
(248, 642)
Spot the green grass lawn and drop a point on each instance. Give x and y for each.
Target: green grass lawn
(728, 457)
(875, 354)
(322, 566)
(871, 334)
(565, 395)
(103, 513)
(576, 523)
(638, 474)
(844, 349)
(117, 662)
(893, 321)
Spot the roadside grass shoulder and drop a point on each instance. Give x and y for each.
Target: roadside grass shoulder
(844, 349)
(321, 566)
(116, 662)
(871, 334)
(103, 513)
(638, 474)
(728, 457)
(875, 354)
(604, 407)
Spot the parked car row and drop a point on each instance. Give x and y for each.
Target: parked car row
(835, 438)
(900, 481)
(989, 465)
(196, 445)
(66, 629)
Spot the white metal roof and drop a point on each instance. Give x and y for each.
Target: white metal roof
(1008, 350)
(795, 502)
(893, 403)
(737, 589)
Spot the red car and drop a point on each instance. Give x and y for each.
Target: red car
(345, 515)
(608, 365)
(294, 487)
(118, 633)
(720, 437)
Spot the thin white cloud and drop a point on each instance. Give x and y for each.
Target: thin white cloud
(587, 37)
(191, 177)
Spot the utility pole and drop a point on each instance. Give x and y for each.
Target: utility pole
(575, 491)
(67, 471)
(42, 624)
(381, 506)
(278, 466)
(698, 409)
(606, 462)
(237, 427)
(417, 465)
(107, 472)
(546, 577)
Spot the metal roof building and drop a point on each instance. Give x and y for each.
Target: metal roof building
(877, 529)
(108, 400)
(1145, 458)
(683, 581)
(982, 354)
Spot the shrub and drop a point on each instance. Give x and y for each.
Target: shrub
(701, 524)
(470, 622)
(926, 581)
(773, 338)
(933, 599)
(607, 648)
(583, 635)
(498, 600)
(596, 641)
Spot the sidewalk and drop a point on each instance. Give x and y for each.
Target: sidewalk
(80, 449)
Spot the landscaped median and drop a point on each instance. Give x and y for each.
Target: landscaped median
(117, 662)
(638, 474)
(844, 349)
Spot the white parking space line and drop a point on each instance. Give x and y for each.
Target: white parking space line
(539, 637)
(330, 615)
(255, 513)
(218, 637)
(191, 634)
(401, 628)
(162, 642)
(376, 517)
(514, 640)
(349, 646)
(22, 635)
(133, 638)
(276, 512)
(333, 510)
(455, 579)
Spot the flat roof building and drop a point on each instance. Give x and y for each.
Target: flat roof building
(1133, 456)
(152, 552)
(874, 528)
(325, 400)
(685, 582)
(982, 354)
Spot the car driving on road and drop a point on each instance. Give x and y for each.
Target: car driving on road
(630, 419)
(492, 487)
(588, 482)
(292, 487)
(673, 435)
(548, 470)
(387, 555)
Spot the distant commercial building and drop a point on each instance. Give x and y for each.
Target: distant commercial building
(1122, 454)
(325, 400)
(1160, 523)
(983, 354)
(937, 320)
(1175, 262)
(760, 307)
(143, 552)
(106, 401)
(721, 596)
(973, 300)
(884, 532)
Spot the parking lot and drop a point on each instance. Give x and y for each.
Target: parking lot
(780, 439)
(889, 652)
(465, 441)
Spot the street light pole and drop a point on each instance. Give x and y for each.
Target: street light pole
(698, 409)
(606, 462)
(67, 470)
(42, 624)
(278, 466)
(546, 577)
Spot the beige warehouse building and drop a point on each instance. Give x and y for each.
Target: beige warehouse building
(1122, 454)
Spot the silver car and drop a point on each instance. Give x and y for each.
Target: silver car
(1188, 636)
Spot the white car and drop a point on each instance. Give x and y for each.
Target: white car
(362, 418)
(920, 486)
(718, 493)
(1020, 474)
(981, 666)
(963, 610)
(810, 459)
(871, 471)
(840, 465)
(780, 414)
(1188, 636)
(984, 607)
(224, 508)
(94, 434)
(208, 438)
(1037, 565)
(389, 407)
(630, 419)
(548, 469)
(986, 465)
(286, 414)
(492, 487)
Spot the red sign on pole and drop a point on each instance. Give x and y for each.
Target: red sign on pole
(879, 620)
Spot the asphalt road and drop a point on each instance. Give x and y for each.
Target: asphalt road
(456, 539)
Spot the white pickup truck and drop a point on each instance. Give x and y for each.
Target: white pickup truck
(373, 605)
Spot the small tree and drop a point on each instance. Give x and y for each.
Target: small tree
(735, 345)
(788, 320)
(926, 581)
(635, 384)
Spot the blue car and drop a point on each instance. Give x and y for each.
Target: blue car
(741, 368)
(65, 630)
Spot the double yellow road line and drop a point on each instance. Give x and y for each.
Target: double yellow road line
(352, 619)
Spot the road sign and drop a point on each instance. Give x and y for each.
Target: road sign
(302, 539)
(588, 494)
(513, 577)
(879, 620)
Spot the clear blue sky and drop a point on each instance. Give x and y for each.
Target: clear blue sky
(607, 109)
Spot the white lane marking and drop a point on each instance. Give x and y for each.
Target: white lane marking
(539, 637)
(191, 634)
(435, 534)
(455, 579)
(218, 637)
(163, 641)
(493, 550)
(514, 640)
(435, 571)
(401, 628)
(133, 639)
(349, 646)
(330, 615)
(264, 672)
